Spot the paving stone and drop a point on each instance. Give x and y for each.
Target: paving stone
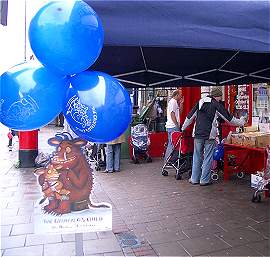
(12, 241)
(263, 228)
(36, 239)
(158, 237)
(263, 247)
(22, 229)
(202, 230)
(114, 254)
(236, 251)
(169, 249)
(25, 251)
(203, 245)
(248, 234)
(19, 204)
(232, 238)
(9, 212)
(86, 236)
(6, 230)
(153, 226)
(15, 220)
(105, 245)
(105, 234)
(59, 249)
(90, 236)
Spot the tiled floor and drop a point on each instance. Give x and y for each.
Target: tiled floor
(170, 218)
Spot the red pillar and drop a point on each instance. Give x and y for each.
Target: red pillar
(191, 96)
(28, 148)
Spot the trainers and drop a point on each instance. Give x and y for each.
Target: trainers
(206, 184)
(107, 171)
(193, 183)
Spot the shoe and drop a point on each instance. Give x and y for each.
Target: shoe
(206, 184)
(116, 170)
(193, 183)
(107, 171)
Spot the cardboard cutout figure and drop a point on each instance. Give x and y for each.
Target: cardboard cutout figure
(67, 179)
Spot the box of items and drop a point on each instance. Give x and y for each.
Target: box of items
(249, 140)
(263, 140)
(251, 129)
(237, 139)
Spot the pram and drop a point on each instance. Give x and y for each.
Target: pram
(261, 180)
(140, 142)
(95, 153)
(180, 158)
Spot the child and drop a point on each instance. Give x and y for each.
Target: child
(10, 135)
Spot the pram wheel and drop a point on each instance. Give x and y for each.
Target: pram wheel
(256, 198)
(135, 160)
(240, 174)
(178, 175)
(214, 176)
(165, 173)
(149, 159)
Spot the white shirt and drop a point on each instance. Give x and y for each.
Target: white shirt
(172, 107)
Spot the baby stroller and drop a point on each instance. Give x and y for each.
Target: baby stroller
(140, 142)
(180, 158)
(95, 153)
(261, 184)
(261, 181)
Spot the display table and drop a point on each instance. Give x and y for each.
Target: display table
(156, 148)
(238, 158)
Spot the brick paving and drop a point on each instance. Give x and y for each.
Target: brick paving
(169, 217)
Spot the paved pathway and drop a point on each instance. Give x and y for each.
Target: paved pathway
(169, 217)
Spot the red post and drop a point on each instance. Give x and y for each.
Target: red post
(28, 148)
(191, 96)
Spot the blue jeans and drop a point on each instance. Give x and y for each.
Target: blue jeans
(202, 160)
(170, 145)
(113, 157)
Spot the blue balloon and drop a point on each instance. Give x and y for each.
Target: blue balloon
(31, 96)
(219, 152)
(66, 36)
(97, 107)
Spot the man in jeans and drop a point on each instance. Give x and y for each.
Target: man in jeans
(206, 112)
(175, 107)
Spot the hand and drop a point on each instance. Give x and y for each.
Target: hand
(242, 121)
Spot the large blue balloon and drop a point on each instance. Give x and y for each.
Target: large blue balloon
(97, 107)
(66, 36)
(31, 96)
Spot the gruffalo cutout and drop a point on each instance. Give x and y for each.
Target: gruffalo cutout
(67, 179)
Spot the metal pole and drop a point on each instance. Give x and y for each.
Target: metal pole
(79, 244)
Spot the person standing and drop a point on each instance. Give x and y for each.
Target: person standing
(11, 134)
(206, 112)
(113, 154)
(174, 109)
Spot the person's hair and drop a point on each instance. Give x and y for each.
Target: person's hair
(175, 93)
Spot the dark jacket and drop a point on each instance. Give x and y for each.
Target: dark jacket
(206, 112)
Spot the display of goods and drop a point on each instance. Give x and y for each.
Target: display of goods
(237, 139)
(250, 139)
(251, 129)
(263, 140)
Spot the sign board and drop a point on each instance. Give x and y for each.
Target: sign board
(90, 220)
(66, 181)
